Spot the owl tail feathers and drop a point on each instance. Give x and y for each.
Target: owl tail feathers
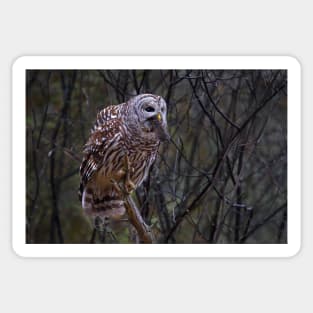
(108, 205)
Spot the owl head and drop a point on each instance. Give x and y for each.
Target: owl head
(150, 116)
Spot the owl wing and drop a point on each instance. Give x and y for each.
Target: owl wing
(105, 132)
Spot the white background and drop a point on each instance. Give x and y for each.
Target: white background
(159, 28)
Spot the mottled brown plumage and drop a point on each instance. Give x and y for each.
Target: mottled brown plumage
(122, 146)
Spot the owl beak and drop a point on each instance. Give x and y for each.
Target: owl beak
(159, 117)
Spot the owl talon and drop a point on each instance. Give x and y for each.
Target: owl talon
(129, 187)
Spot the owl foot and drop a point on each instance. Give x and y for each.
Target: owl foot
(129, 186)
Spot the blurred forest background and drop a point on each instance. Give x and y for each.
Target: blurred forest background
(221, 179)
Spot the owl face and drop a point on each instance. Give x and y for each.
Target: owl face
(151, 113)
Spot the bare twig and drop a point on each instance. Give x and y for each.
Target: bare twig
(144, 232)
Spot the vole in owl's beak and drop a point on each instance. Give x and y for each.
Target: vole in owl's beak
(158, 126)
(161, 128)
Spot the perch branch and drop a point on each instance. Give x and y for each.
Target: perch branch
(144, 232)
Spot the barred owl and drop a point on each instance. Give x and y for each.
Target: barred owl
(123, 144)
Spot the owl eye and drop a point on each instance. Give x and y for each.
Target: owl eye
(149, 109)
